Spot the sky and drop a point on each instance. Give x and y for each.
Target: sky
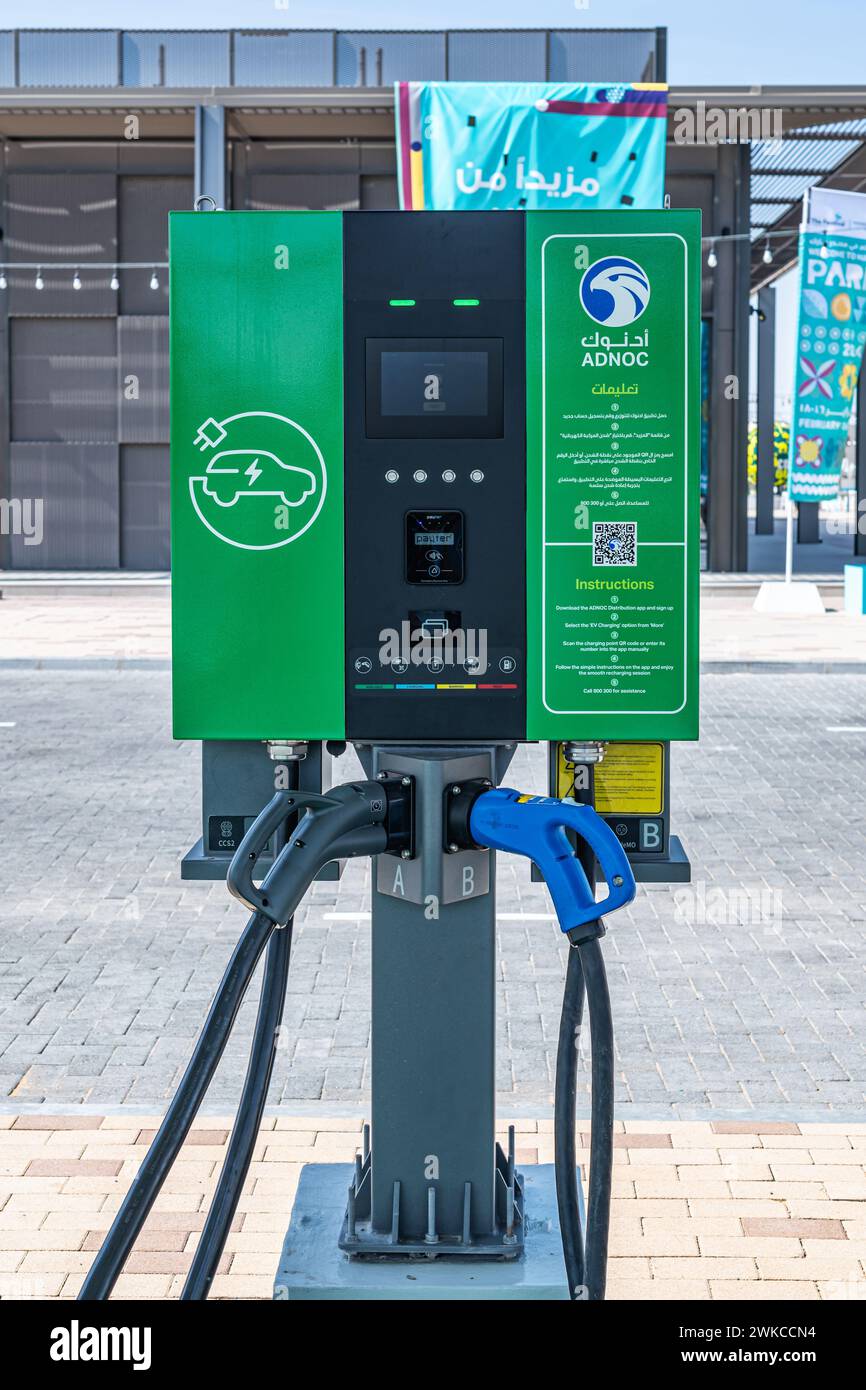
(737, 42)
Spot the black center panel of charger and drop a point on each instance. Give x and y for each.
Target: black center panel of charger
(435, 474)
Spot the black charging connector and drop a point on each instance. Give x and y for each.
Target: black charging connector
(399, 819)
(459, 798)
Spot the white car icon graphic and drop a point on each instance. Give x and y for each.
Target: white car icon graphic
(235, 473)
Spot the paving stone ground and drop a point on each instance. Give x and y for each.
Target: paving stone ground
(740, 995)
(700, 1210)
(71, 625)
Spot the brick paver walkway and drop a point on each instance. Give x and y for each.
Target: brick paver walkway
(741, 994)
(700, 1210)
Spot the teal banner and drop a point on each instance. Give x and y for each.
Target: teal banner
(831, 334)
(533, 145)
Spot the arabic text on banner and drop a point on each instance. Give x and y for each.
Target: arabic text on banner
(534, 145)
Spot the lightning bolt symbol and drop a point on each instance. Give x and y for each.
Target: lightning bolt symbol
(253, 472)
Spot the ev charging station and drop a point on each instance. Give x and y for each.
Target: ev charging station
(434, 494)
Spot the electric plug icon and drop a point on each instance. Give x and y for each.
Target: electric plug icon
(203, 439)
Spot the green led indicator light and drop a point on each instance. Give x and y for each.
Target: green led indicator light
(466, 303)
(402, 303)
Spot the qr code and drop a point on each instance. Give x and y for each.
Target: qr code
(614, 543)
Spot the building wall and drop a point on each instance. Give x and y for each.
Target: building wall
(86, 400)
(83, 373)
(86, 414)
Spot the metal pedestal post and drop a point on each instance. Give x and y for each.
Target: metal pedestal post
(765, 482)
(434, 1181)
(808, 523)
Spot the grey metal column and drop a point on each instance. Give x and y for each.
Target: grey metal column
(433, 1072)
(5, 428)
(765, 486)
(727, 501)
(433, 1063)
(5, 411)
(860, 442)
(435, 1180)
(661, 55)
(210, 154)
(808, 523)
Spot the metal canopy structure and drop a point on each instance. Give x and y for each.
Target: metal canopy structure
(774, 143)
(832, 156)
(822, 142)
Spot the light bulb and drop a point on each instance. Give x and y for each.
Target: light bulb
(825, 250)
(2, 279)
(767, 257)
(712, 258)
(76, 281)
(39, 283)
(114, 283)
(154, 281)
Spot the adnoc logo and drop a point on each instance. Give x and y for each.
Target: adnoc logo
(615, 291)
(264, 482)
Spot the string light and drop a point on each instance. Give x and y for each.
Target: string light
(76, 281)
(767, 257)
(825, 250)
(712, 258)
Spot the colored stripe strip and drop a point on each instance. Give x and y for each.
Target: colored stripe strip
(608, 108)
(456, 687)
(500, 686)
(416, 164)
(405, 138)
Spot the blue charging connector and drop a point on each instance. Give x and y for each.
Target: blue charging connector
(536, 826)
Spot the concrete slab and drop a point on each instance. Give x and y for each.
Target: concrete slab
(794, 598)
(312, 1267)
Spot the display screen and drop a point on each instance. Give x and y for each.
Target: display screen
(441, 383)
(434, 538)
(434, 388)
(434, 547)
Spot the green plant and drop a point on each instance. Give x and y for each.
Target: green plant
(781, 448)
